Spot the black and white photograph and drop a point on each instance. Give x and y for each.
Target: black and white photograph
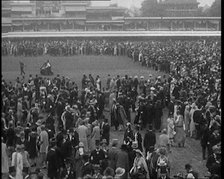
(111, 89)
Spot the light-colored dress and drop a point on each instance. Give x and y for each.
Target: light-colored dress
(83, 131)
(187, 118)
(180, 135)
(170, 128)
(5, 160)
(95, 136)
(45, 141)
(19, 164)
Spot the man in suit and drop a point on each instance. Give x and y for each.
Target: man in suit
(87, 168)
(52, 161)
(97, 155)
(105, 130)
(68, 172)
(149, 140)
(113, 154)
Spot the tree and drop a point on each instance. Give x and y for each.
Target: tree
(215, 9)
(151, 8)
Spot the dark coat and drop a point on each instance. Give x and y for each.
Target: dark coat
(53, 165)
(86, 169)
(106, 132)
(96, 157)
(123, 162)
(112, 157)
(68, 174)
(149, 140)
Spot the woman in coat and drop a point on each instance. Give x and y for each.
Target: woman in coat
(17, 161)
(140, 168)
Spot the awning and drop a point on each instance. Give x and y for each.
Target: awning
(75, 8)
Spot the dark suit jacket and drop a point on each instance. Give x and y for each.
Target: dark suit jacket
(149, 139)
(97, 157)
(53, 164)
(87, 168)
(68, 174)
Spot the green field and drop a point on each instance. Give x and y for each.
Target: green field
(74, 68)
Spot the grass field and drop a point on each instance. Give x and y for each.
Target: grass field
(74, 68)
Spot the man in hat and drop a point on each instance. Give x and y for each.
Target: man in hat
(87, 168)
(123, 159)
(113, 154)
(53, 164)
(105, 130)
(68, 172)
(149, 140)
(97, 155)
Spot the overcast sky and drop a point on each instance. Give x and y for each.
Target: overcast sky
(137, 3)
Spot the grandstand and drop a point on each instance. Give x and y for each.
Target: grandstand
(80, 16)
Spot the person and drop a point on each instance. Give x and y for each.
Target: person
(68, 172)
(46, 68)
(52, 162)
(44, 143)
(214, 161)
(180, 135)
(129, 135)
(149, 140)
(138, 137)
(17, 162)
(26, 164)
(5, 161)
(105, 130)
(22, 72)
(164, 140)
(113, 154)
(87, 168)
(139, 168)
(163, 164)
(119, 173)
(170, 129)
(191, 174)
(95, 135)
(79, 160)
(97, 155)
(123, 160)
(83, 132)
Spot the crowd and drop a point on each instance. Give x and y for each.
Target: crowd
(54, 124)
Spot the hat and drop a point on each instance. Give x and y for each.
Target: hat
(216, 149)
(162, 151)
(159, 77)
(128, 124)
(150, 75)
(114, 142)
(152, 88)
(92, 101)
(134, 145)
(139, 151)
(163, 131)
(39, 122)
(104, 141)
(18, 147)
(95, 123)
(67, 108)
(81, 144)
(119, 172)
(141, 77)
